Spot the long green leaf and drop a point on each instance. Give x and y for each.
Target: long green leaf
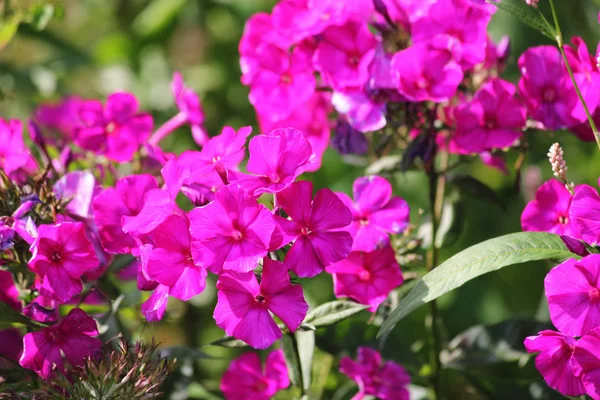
(475, 261)
(527, 15)
(299, 349)
(333, 312)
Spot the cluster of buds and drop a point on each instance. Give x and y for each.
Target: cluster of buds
(559, 165)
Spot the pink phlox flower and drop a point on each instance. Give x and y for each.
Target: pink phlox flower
(546, 88)
(111, 205)
(61, 254)
(246, 379)
(573, 292)
(78, 188)
(555, 361)
(158, 205)
(9, 293)
(367, 278)
(258, 30)
(61, 117)
(344, 54)
(364, 111)
(549, 211)
(312, 119)
(115, 130)
(493, 119)
(244, 306)
(37, 312)
(189, 106)
(11, 347)
(317, 227)
(384, 380)
(587, 76)
(277, 159)
(233, 232)
(15, 159)
(586, 363)
(585, 213)
(283, 80)
(375, 213)
(43, 350)
(425, 73)
(407, 12)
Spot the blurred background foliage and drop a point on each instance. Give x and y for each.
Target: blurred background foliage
(91, 48)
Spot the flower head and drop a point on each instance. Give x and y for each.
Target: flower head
(78, 188)
(115, 130)
(189, 105)
(244, 306)
(375, 213)
(573, 292)
(232, 232)
(246, 378)
(367, 278)
(586, 362)
(585, 213)
(374, 377)
(61, 254)
(316, 225)
(554, 361)
(15, 160)
(43, 350)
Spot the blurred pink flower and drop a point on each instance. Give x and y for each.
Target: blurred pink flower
(573, 292)
(316, 227)
(61, 117)
(386, 381)
(43, 350)
(9, 293)
(246, 379)
(61, 254)
(367, 278)
(15, 159)
(587, 76)
(243, 306)
(116, 130)
(375, 213)
(78, 187)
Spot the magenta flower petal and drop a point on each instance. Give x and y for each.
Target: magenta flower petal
(555, 361)
(573, 292)
(158, 206)
(586, 363)
(9, 293)
(154, 308)
(585, 213)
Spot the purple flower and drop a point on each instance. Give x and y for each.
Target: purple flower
(246, 378)
(9, 293)
(62, 117)
(78, 188)
(61, 254)
(493, 119)
(43, 350)
(11, 346)
(375, 213)
(367, 278)
(555, 361)
(586, 362)
(344, 54)
(232, 232)
(348, 140)
(384, 380)
(116, 130)
(243, 306)
(316, 227)
(573, 292)
(424, 73)
(15, 160)
(585, 213)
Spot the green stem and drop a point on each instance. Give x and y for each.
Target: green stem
(559, 41)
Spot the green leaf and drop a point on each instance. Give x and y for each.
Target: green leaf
(475, 261)
(527, 15)
(475, 188)
(12, 316)
(229, 342)
(8, 28)
(333, 312)
(299, 349)
(157, 16)
(384, 164)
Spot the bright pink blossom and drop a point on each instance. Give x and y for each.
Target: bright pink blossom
(573, 292)
(493, 119)
(246, 379)
(189, 105)
(158, 205)
(555, 361)
(116, 130)
(283, 80)
(112, 204)
(364, 112)
(316, 227)
(367, 278)
(344, 54)
(587, 76)
(9, 293)
(62, 117)
(78, 188)
(384, 380)
(232, 232)
(15, 160)
(43, 350)
(277, 159)
(375, 213)
(549, 212)
(258, 30)
(61, 254)
(546, 88)
(585, 213)
(243, 306)
(586, 362)
(424, 73)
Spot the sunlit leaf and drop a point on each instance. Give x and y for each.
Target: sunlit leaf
(333, 312)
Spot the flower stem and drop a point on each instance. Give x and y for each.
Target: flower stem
(168, 127)
(559, 41)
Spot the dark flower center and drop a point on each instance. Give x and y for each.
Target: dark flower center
(353, 59)
(563, 220)
(594, 295)
(286, 78)
(260, 299)
(364, 275)
(549, 94)
(305, 231)
(55, 256)
(237, 235)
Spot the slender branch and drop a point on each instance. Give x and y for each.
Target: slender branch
(559, 41)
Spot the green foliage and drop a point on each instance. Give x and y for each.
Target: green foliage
(9, 315)
(299, 349)
(527, 14)
(475, 261)
(333, 312)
